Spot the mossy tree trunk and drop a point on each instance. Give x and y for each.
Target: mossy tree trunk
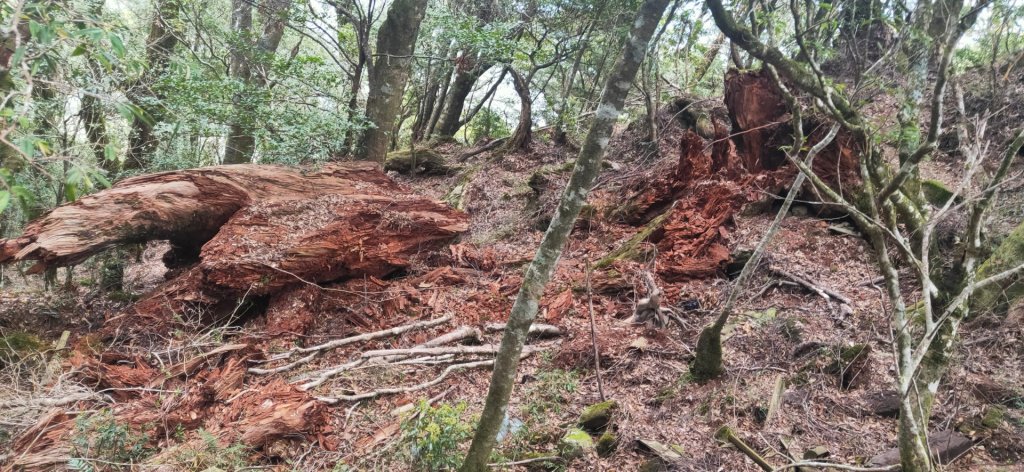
(588, 165)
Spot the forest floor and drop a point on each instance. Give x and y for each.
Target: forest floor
(783, 335)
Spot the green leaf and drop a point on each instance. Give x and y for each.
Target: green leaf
(115, 42)
(70, 192)
(79, 50)
(5, 198)
(131, 111)
(19, 53)
(109, 153)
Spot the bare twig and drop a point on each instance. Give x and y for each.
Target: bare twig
(437, 351)
(593, 335)
(314, 350)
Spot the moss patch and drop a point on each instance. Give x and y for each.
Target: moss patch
(596, 417)
(423, 161)
(607, 443)
(936, 192)
(999, 296)
(575, 444)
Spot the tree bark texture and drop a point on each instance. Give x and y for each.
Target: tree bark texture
(389, 72)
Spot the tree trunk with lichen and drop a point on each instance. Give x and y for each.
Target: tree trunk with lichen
(588, 165)
(389, 72)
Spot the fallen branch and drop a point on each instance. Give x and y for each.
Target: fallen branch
(314, 350)
(465, 332)
(46, 402)
(726, 433)
(593, 334)
(437, 351)
(391, 391)
(537, 329)
(189, 366)
(480, 150)
(822, 291)
(831, 465)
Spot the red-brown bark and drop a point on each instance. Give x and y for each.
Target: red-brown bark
(251, 230)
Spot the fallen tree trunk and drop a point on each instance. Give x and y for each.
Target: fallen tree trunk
(246, 230)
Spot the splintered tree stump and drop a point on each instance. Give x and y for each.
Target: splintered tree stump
(686, 213)
(252, 230)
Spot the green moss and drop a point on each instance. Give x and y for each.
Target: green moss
(425, 161)
(936, 192)
(598, 416)
(994, 416)
(456, 197)
(999, 296)
(707, 363)
(575, 444)
(607, 443)
(633, 249)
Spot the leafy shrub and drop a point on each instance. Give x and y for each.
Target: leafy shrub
(100, 442)
(434, 435)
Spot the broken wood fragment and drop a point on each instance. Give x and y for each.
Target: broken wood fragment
(726, 434)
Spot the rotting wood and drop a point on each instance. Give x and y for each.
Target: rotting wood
(242, 231)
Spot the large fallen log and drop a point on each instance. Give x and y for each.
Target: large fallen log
(246, 230)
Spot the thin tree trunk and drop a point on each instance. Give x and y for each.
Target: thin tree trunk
(522, 137)
(240, 68)
(435, 114)
(251, 71)
(588, 165)
(96, 130)
(451, 118)
(162, 40)
(396, 42)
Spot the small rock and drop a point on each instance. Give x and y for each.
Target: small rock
(654, 464)
(668, 454)
(816, 452)
(993, 417)
(607, 443)
(596, 417)
(945, 445)
(575, 444)
(885, 404)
